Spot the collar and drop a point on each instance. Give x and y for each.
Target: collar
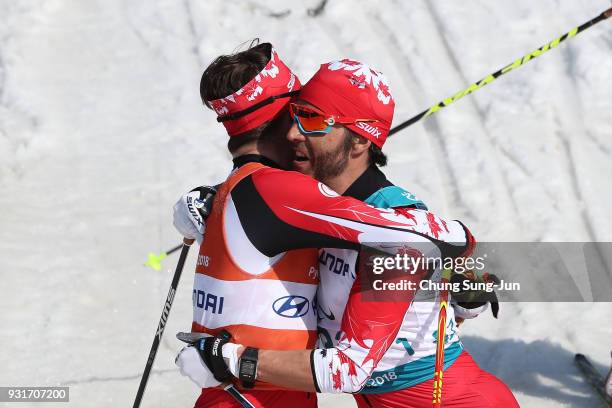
(367, 184)
(253, 158)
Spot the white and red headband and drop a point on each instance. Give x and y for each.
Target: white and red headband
(260, 100)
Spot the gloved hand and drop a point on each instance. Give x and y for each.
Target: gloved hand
(191, 211)
(191, 365)
(231, 357)
(470, 303)
(208, 361)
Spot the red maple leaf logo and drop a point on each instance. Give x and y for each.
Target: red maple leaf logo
(337, 379)
(379, 333)
(352, 371)
(433, 225)
(406, 213)
(384, 88)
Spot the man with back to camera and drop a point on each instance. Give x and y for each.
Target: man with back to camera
(246, 204)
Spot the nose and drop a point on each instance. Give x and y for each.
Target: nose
(294, 135)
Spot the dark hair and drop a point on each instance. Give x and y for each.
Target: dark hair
(227, 74)
(376, 155)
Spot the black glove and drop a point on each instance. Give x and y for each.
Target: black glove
(471, 299)
(191, 210)
(203, 203)
(210, 349)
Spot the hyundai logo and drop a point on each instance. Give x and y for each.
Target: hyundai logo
(291, 306)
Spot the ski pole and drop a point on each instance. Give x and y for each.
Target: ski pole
(203, 206)
(245, 403)
(162, 321)
(441, 338)
(512, 66)
(594, 379)
(154, 260)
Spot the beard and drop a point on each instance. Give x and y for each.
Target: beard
(331, 164)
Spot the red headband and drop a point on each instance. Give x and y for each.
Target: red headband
(275, 79)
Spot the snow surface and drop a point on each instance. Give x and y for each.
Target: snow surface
(101, 129)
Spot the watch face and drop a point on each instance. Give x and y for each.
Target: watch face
(247, 368)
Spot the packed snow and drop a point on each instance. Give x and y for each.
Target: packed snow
(102, 128)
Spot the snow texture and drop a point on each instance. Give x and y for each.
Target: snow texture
(102, 128)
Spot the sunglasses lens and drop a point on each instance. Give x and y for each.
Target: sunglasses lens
(310, 120)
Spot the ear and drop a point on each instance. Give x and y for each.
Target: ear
(360, 145)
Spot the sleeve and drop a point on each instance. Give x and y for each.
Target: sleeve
(368, 330)
(284, 210)
(370, 327)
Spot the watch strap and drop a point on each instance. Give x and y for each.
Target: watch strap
(247, 367)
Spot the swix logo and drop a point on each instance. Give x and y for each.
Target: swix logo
(368, 128)
(194, 213)
(291, 306)
(165, 313)
(215, 347)
(208, 301)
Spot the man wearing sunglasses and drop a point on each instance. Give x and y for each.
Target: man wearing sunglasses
(337, 140)
(252, 278)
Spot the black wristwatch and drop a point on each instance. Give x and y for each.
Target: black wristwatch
(247, 367)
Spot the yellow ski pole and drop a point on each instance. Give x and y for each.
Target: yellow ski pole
(492, 77)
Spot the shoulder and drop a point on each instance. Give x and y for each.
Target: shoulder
(289, 185)
(395, 196)
(271, 174)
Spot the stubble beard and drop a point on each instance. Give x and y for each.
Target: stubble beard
(331, 164)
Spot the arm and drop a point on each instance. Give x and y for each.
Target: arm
(344, 368)
(286, 368)
(369, 329)
(303, 213)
